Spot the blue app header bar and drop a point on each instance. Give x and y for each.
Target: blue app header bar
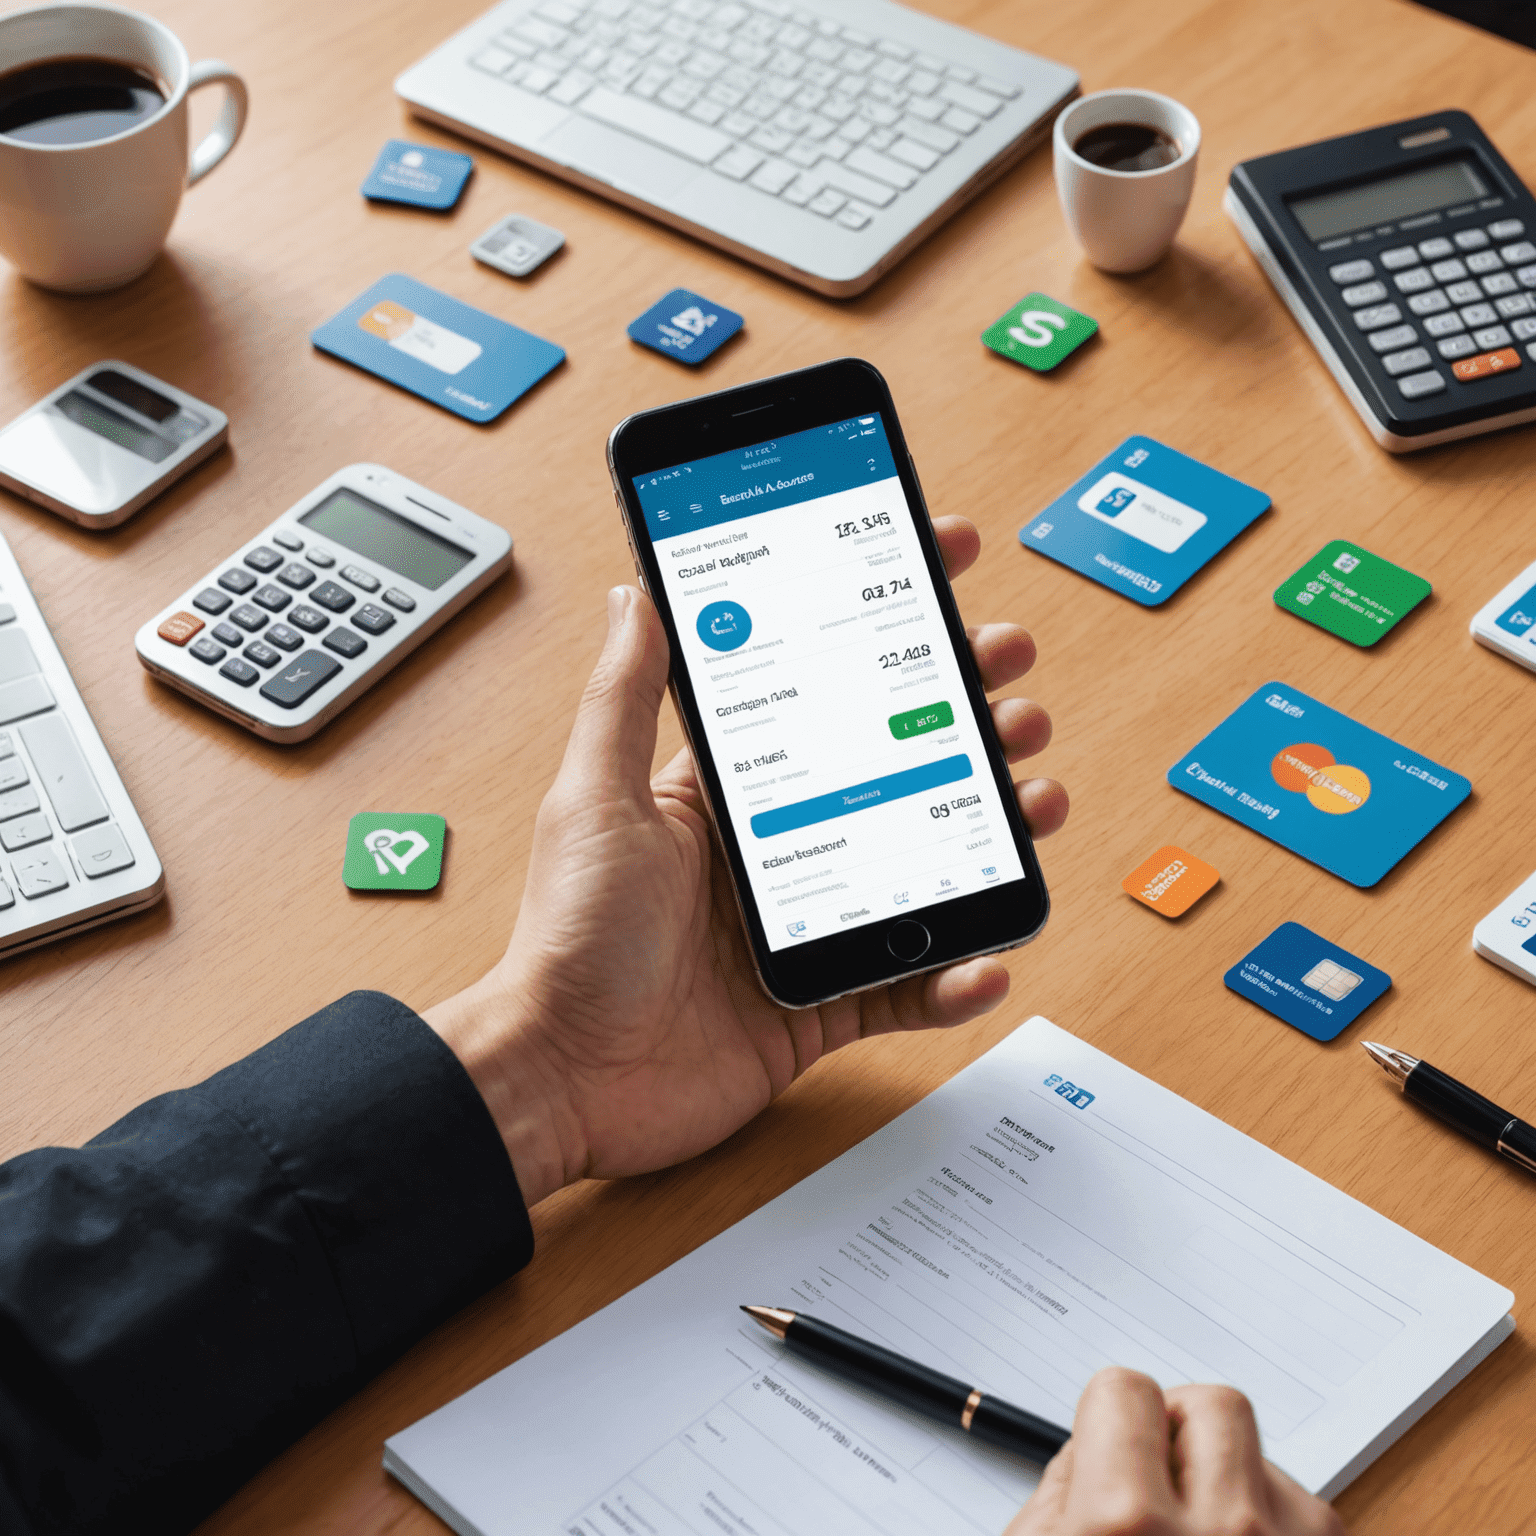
(776, 473)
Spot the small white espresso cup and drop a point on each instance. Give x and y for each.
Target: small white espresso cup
(85, 217)
(1125, 220)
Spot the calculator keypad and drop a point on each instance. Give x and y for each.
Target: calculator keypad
(227, 634)
(329, 595)
(237, 581)
(345, 642)
(273, 599)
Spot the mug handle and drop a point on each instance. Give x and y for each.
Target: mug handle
(221, 139)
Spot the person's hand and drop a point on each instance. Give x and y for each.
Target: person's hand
(624, 1029)
(1142, 1462)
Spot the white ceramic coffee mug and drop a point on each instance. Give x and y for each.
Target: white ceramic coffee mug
(85, 217)
(1125, 220)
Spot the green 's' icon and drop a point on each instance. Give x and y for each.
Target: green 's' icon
(394, 851)
(1039, 332)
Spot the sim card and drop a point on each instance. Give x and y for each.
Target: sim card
(1307, 982)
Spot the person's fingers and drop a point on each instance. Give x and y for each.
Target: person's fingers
(959, 543)
(1003, 652)
(1297, 1512)
(1022, 726)
(614, 736)
(1044, 804)
(937, 1000)
(1120, 1477)
(1043, 1514)
(1217, 1463)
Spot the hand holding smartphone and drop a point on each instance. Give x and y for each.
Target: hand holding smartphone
(823, 677)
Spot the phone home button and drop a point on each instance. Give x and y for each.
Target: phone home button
(907, 940)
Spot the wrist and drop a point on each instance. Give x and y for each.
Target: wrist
(495, 1037)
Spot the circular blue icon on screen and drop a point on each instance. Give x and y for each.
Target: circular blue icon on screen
(724, 626)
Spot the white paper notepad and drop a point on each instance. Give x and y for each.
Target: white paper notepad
(1046, 1212)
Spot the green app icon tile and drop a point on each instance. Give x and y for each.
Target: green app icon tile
(1352, 593)
(1039, 332)
(394, 851)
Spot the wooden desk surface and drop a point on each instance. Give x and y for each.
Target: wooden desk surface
(257, 929)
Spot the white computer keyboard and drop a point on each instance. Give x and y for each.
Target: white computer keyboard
(800, 107)
(73, 852)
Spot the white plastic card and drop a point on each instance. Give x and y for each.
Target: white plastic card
(516, 245)
(1507, 936)
(1508, 623)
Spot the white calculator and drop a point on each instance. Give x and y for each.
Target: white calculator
(315, 609)
(73, 852)
(1508, 624)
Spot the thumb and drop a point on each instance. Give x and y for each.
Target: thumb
(613, 740)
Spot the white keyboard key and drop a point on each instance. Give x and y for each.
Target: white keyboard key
(102, 851)
(921, 83)
(6, 899)
(853, 218)
(39, 872)
(12, 773)
(537, 80)
(17, 658)
(836, 149)
(544, 33)
(25, 832)
(928, 108)
(494, 60)
(1506, 229)
(1517, 255)
(773, 176)
(63, 772)
(891, 71)
(934, 137)
(772, 140)
(970, 99)
(864, 188)
(738, 162)
(694, 140)
(1406, 362)
(558, 11)
(1464, 293)
(679, 96)
(706, 112)
(1491, 337)
(737, 123)
(1377, 315)
(882, 168)
(804, 155)
(893, 50)
(879, 138)
(1003, 88)
(879, 113)
(26, 696)
(18, 802)
(959, 72)
(961, 120)
(1417, 385)
(800, 192)
(571, 89)
(920, 156)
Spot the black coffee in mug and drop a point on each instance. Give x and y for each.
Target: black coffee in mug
(1126, 147)
(76, 101)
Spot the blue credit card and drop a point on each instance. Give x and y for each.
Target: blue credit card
(456, 356)
(1318, 783)
(417, 174)
(1144, 520)
(1300, 977)
(685, 327)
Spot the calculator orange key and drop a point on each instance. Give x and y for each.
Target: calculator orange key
(1486, 364)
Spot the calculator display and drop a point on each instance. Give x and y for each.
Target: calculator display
(1389, 199)
(394, 541)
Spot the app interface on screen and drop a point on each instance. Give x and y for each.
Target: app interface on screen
(855, 775)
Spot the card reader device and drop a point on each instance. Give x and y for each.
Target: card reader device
(106, 442)
(1407, 253)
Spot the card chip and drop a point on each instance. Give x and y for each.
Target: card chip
(1331, 979)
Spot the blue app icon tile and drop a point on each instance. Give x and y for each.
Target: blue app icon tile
(417, 174)
(1307, 982)
(686, 327)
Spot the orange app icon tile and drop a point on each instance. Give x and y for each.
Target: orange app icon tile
(1171, 881)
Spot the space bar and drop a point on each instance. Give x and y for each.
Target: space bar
(648, 122)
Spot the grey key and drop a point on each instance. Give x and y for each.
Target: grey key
(102, 851)
(307, 618)
(1405, 362)
(262, 654)
(1506, 229)
(18, 802)
(6, 899)
(285, 540)
(1492, 337)
(359, 578)
(26, 696)
(206, 651)
(372, 619)
(263, 559)
(1527, 276)
(248, 617)
(1430, 303)
(1377, 315)
(284, 638)
(239, 671)
(1456, 346)
(1500, 282)
(1433, 250)
(295, 575)
(1399, 336)
(1343, 272)
(25, 832)
(272, 598)
(401, 600)
(1515, 304)
(1518, 255)
(12, 772)
(321, 557)
(1417, 385)
(1524, 330)
(1402, 256)
(345, 643)
(329, 595)
(1479, 314)
(237, 580)
(211, 600)
(64, 773)
(39, 872)
(300, 679)
(1449, 271)
(1368, 293)
(1415, 281)
(1445, 325)
(16, 656)
(1484, 261)
(1464, 293)
(1470, 239)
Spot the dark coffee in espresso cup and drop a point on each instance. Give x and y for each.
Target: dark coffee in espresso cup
(1127, 147)
(76, 100)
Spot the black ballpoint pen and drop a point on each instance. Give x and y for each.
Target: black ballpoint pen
(914, 1386)
(1458, 1105)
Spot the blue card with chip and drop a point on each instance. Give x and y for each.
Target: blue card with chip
(1144, 520)
(1318, 783)
(1300, 977)
(417, 174)
(456, 356)
(685, 326)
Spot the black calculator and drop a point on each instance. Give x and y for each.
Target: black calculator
(1407, 254)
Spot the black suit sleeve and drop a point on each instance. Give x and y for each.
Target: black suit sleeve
(190, 1291)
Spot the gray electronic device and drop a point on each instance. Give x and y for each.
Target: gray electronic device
(106, 442)
(316, 608)
(516, 245)
(822, 146)
(73, 851)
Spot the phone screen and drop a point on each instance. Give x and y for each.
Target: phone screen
(855, 773)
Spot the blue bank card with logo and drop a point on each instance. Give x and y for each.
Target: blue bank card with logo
(1316, 782)
(1300, 977)
(1142, 521)
(417, 174)
(456, 356)
(685, 327)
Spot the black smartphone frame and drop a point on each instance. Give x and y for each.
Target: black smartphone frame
(983, 922)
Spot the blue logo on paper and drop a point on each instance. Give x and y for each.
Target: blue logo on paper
(796, 929)
(1079, 1098)
(724, 626)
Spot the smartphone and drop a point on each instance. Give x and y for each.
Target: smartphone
(823, 678)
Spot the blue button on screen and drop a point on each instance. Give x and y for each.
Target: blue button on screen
(724, 626)
(859, 797)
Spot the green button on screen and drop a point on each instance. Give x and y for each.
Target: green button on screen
(933, 717)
